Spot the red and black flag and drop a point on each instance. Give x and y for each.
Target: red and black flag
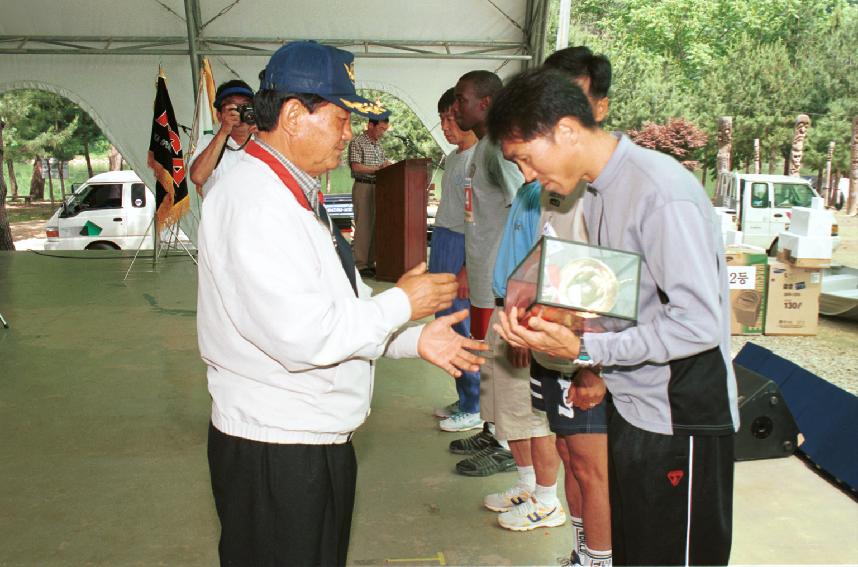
(166, 159)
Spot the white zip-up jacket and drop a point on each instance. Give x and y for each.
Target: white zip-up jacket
(287, 344)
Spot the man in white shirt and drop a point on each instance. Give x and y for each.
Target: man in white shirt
(217, 154)
(288, 333)
(448, 257)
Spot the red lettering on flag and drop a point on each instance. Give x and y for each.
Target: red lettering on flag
(162, 120)
(175, 142)
(675, 476)
(178, 171)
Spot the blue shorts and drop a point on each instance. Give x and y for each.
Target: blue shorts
(548, 389)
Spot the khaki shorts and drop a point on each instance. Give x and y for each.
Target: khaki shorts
(505, 393)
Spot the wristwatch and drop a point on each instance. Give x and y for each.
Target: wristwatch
(584, 359)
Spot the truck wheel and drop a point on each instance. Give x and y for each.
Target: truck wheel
(102, 246)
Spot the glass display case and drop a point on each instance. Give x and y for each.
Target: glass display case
(586, 288)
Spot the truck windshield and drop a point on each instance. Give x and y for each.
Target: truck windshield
(96, 196)
(792, 195)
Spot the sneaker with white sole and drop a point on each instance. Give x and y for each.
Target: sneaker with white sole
(530, 515)
(493, 459)
(447, 410)
(474, 443)
(461, 421)
(503, 501)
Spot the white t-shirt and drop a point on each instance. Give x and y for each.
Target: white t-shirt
(451, 210)
(231, 156)
(562, 217)
(495, 182)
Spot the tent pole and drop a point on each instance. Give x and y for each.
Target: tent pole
(192, 11)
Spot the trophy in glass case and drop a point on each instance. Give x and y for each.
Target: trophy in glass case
(583, 287)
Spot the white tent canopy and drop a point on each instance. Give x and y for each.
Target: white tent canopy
(104, 56)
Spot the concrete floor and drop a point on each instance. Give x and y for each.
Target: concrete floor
(104, 409)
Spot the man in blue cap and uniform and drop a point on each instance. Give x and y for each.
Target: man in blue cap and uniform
(289, 331)
(216, 154)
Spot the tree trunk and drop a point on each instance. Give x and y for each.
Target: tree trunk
(88, 161)
(5, 232)
(852, 201)
(725, 147)
(828, 190)
(756, 155)
(837, 199)
(114, 158)
(12, 181)
(773, 157)
(37, 181)
(51, 182)
(802, 123)
(62, 180)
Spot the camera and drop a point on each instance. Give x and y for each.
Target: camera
(246, 113)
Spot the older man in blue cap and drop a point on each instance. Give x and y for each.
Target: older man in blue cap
(289, 331)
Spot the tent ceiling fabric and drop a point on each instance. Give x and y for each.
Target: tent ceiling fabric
(414, 50)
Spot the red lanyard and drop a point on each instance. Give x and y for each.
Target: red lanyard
(278, 168)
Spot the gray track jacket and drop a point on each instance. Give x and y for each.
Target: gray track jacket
(672, 373)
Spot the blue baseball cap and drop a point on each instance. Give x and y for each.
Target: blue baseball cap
(229, 88)
(312, 68)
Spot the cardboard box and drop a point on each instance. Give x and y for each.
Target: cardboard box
(786, 256)
(793, 299)
(747, 272)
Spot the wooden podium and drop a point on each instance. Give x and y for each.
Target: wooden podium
(400, 217)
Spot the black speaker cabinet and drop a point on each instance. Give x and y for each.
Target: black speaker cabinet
(767, 429)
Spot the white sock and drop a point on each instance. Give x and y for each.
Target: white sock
(491, 428)
(526, 477)
(598, 557)
(580, 538)
(503, 443)
(546, 495)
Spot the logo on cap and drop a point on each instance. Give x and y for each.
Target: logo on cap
(350, 70)
(364, 107)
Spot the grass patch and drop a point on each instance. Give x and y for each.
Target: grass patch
(77, 175)
(341, 180)
(19, 212)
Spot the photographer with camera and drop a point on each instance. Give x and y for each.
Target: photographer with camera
(217, 154)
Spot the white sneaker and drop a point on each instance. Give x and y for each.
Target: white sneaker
(530, 515)
(506, 500)
(461, 421)
(447, 410)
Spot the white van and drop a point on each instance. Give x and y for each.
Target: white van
(760, 204)
(111, 211)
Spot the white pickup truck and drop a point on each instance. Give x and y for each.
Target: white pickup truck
(110, 211)
(760, 205)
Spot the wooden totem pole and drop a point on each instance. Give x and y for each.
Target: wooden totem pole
(802, 123)
(725, 146)
(852, 202)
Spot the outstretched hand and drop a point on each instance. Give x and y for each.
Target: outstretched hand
(543, 336)
(448, 350)
(427, 293)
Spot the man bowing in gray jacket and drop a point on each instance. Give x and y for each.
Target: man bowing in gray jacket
(670, 433)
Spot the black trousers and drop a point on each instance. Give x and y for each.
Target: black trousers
(671, 496)
(282, 504)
